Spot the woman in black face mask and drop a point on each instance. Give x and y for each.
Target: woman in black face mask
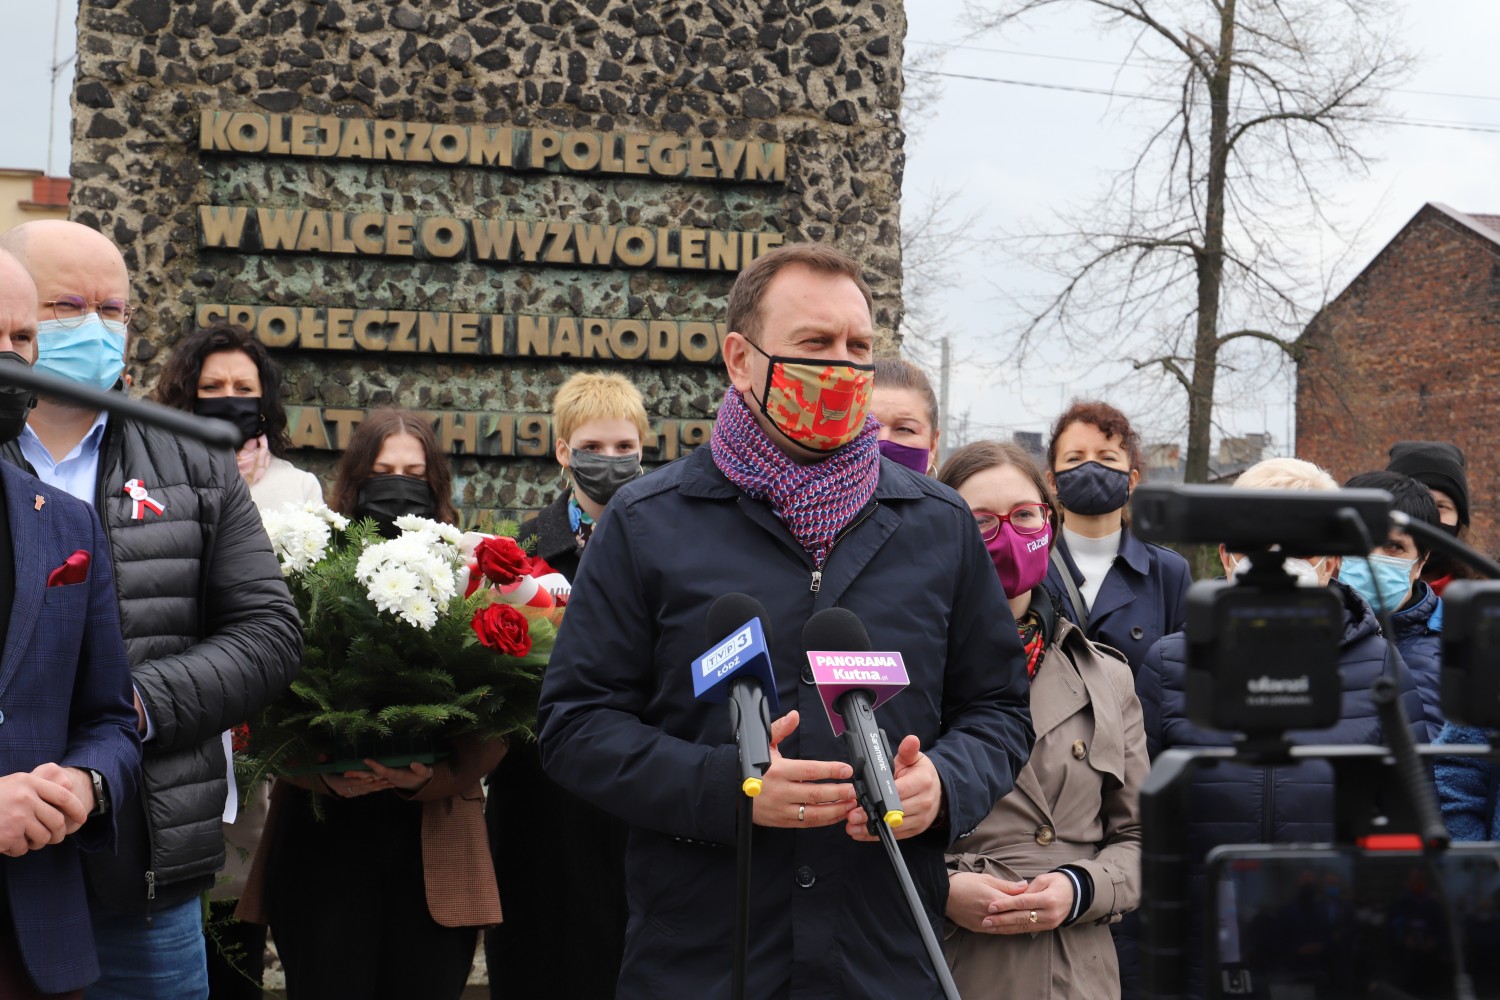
(393, 467)
(360, 887)
(1121, 591)
(225, 372)
(600, 424)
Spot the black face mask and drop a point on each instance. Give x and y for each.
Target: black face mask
(601, 476)
(385, 498)
(15, 402)
(242, 411)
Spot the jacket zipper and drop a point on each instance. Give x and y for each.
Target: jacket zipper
(817, 573)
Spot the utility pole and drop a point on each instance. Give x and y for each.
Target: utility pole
(945, 439)
(52, 104)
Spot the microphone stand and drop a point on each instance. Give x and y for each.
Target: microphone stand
(909, 890)
(216, 433)
(746, 816)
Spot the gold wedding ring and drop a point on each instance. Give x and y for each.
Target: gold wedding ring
(1031, 916)
(802, 812)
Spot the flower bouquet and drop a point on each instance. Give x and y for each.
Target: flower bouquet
(402, 654)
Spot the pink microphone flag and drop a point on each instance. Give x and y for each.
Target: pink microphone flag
(882, 674)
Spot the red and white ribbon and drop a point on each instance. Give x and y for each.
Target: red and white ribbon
(136, 490)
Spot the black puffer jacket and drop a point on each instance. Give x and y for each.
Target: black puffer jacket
(212, 636)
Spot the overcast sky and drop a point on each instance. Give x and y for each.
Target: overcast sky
(1014, 154)
(1017, 153)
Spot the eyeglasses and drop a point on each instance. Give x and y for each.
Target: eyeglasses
(69, 310)
(1026, 518)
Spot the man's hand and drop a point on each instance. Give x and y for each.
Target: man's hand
(35, 812)
(1050, 898)
(921, 792)
(970, 895)
(74, 779)
(795, 793)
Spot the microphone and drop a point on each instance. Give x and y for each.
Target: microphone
(853, 682)
(738, 670)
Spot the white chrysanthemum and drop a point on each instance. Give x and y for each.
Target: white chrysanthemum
(390, 588)
(419, 611)
(298, 537)
(435, 529)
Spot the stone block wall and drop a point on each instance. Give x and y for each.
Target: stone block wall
(170, 95)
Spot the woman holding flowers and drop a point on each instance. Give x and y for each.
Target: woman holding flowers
(375, 880)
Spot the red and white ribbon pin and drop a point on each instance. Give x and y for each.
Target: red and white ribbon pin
(137, 492)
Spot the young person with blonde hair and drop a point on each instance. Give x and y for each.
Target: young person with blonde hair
(599, 420)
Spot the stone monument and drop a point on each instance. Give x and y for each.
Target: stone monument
(452, 206)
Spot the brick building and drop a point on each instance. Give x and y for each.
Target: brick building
(26, 195)
(1411, 350)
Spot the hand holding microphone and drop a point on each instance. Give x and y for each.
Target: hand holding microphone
(737, 669)
(904, 788)
(921, 792)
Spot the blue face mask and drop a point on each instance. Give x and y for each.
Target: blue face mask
(91, 353)
(1395, 581)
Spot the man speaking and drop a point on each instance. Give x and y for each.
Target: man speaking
(793, 506)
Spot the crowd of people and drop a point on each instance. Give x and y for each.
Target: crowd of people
(147, 617)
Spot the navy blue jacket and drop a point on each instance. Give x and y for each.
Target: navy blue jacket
(1419, 637)
(1236, 804)
(621, 728)
(1143, 598)
(65, 697)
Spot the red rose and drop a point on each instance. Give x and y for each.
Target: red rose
(501, 560)
(503, 629)
(538, 567)
(239, 738)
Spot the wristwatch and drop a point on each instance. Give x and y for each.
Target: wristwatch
(101, 797)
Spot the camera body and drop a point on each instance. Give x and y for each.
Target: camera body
(1263, 659)
(1471, 636)
(1263, 652)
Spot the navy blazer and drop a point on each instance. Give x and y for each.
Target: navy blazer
(65, 697)
(1142, 599)
(621, 728)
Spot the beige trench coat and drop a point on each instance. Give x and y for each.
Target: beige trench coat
(1076, 802)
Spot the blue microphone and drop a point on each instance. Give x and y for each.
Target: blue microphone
(738, 670)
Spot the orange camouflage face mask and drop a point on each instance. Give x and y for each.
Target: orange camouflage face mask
(819, 405)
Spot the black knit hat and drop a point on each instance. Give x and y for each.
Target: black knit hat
(1437, 465)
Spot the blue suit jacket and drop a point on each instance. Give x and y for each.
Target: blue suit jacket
(1142, 599)
(65, 697)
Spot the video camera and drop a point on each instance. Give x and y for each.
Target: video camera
(1263, 651)
(1263, 660)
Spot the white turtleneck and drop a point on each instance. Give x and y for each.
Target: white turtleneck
(1093, 557)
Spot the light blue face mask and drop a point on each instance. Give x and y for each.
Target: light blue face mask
(91, 353)
(1393, 573)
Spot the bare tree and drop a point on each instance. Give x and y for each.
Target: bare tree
(1195, 260)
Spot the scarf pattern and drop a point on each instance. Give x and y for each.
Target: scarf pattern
(816, 500)
(1029, 627)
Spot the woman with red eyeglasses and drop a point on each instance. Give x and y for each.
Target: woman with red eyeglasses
(1032, 891)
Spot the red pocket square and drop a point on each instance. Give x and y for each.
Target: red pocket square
(74, 570)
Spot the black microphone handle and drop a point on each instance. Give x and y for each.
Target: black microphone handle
(870, 755)
(212, 432)
(751, 718)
